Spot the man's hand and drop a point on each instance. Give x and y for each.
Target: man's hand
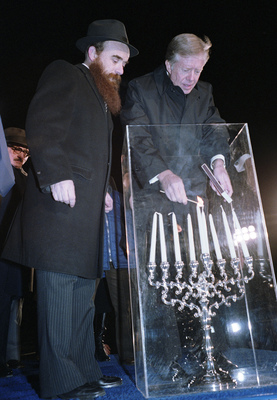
(64, 192)
(222, 176)
(173, 186)
(108, 203)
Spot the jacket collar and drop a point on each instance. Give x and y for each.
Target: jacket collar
(164, 83)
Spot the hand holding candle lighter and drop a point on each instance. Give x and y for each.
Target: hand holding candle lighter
(216, 185)
(199, 200)
(173, 186)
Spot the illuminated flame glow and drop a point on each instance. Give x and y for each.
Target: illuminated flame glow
(200, 201)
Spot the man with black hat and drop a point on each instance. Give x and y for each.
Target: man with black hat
(11, 274)
(69, 131)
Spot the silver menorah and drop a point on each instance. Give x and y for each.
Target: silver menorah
(204, 291)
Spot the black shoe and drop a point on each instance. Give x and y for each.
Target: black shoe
(85, 392)
(128, 361)
(107, 382)
(14, 364)
(5, 371)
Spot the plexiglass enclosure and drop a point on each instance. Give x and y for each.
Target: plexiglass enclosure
(202, 280)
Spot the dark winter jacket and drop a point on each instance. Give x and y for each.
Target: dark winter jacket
(153, 99)
(69, 132)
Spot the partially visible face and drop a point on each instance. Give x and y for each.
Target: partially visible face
(106, 68)
(114, 58)
(17, 158)
(186, 71)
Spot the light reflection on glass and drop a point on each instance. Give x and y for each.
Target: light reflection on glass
(240, 376)
(245, 234)
(235, 327)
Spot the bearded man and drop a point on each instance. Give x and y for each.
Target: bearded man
(58, 229)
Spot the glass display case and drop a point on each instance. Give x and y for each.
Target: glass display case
(202, 281)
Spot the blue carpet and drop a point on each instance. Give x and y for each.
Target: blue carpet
(24, 385)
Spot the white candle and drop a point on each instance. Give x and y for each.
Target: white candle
(176, 238)
(215, 239)
(228, 234)
(153, 240)
(191, 242)
(206, 239)
(200, 228)
(242, 242)
(162, 239)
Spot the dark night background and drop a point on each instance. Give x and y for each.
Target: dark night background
(242, 67)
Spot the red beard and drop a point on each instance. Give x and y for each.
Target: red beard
(108, 86)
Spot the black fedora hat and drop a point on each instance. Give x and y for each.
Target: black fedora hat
(16, 136)
(105, 29)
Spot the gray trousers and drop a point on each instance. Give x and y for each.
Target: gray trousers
(65, 332)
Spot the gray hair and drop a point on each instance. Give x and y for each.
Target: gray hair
(187, 44)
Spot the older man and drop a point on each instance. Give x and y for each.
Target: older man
(69, 130)
(173, 95)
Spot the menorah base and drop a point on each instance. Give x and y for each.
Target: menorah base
(213, 379)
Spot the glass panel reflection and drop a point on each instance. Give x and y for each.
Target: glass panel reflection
(201, 274)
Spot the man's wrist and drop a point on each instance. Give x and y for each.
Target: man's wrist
(160, 176)
(154, 179)
(218, 161)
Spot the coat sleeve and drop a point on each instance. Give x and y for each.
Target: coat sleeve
(215, 133)
(47, 123)
(147, 161)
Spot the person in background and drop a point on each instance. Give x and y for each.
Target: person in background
(11, 291)
(61, 218)
(104, 327)
(115, 283)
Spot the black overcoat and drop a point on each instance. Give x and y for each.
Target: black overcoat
(68, 131)
(153, 99)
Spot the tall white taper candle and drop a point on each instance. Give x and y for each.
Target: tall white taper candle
(206, 238)
(152, 255)
(162, 239)
(228, 234)
(215, 239)
(200, 228)
(176, 241)
(191, 241)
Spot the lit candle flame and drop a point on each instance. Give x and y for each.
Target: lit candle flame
(200, 201)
